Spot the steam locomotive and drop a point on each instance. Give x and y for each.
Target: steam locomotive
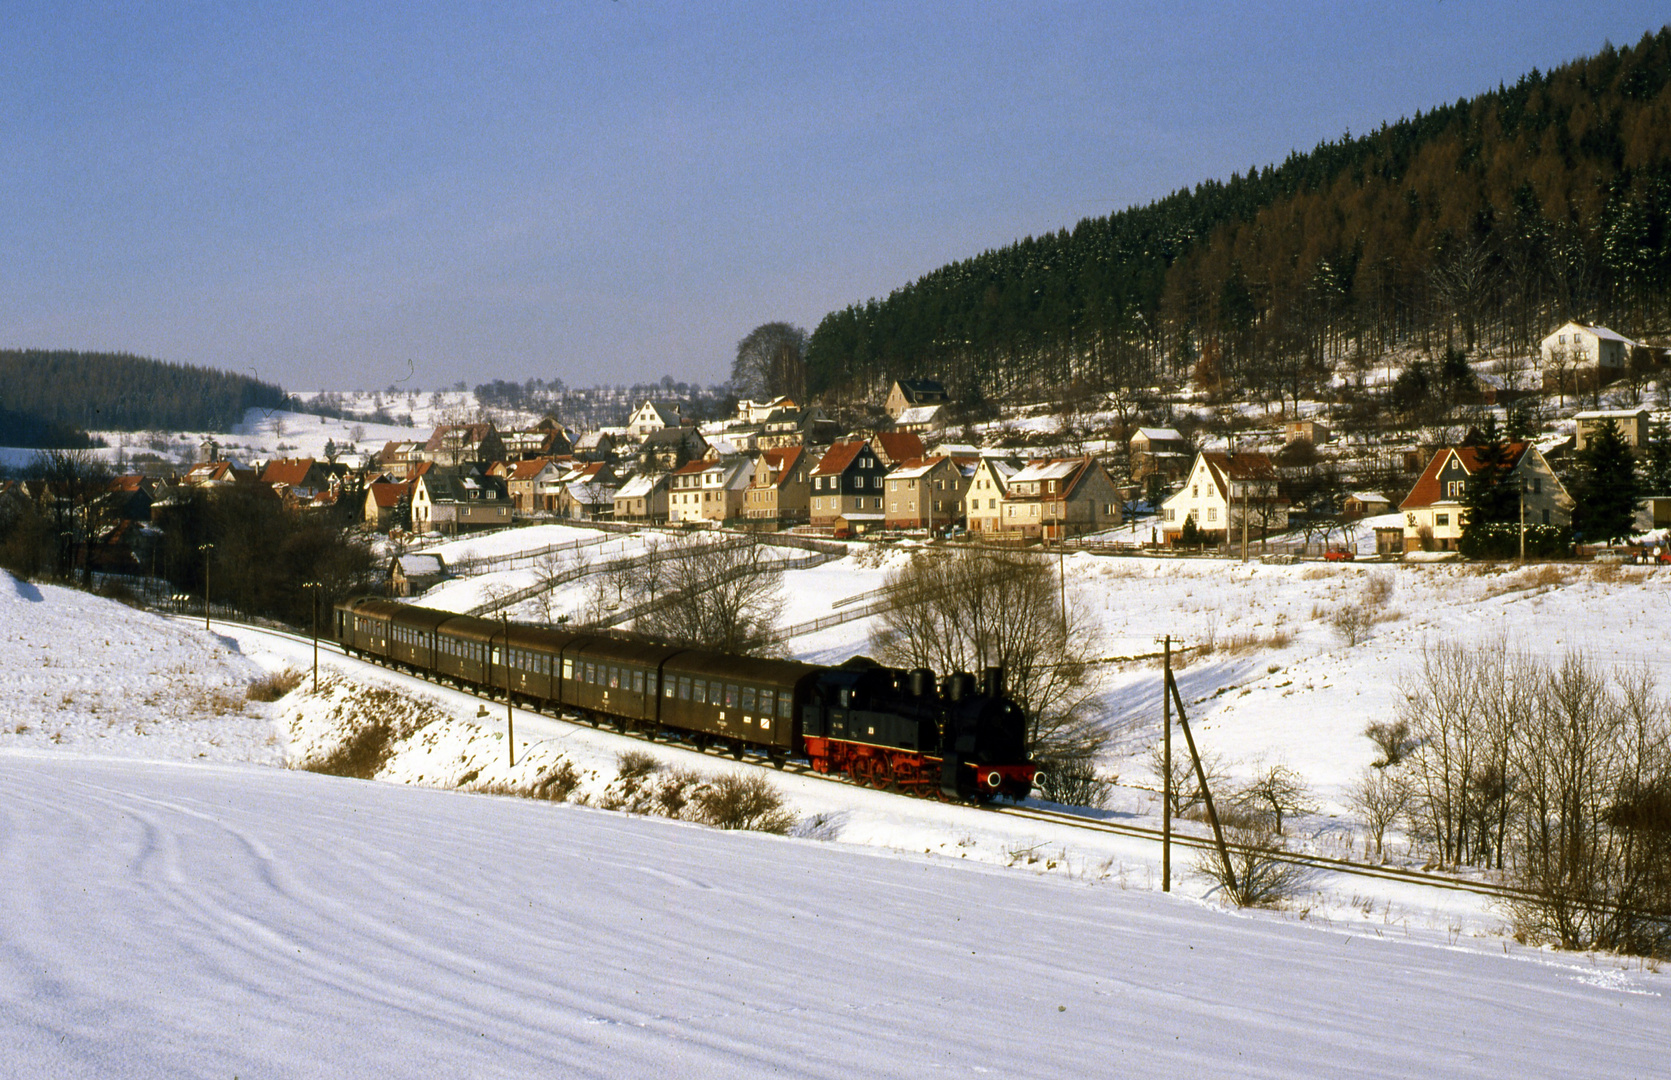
(958, 737)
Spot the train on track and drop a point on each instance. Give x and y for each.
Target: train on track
(957, 737)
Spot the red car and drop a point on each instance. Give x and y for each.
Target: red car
(1339, 555)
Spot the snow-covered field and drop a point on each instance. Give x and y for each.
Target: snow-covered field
(172, 909)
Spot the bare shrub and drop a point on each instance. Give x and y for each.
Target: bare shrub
(274, 685)
(1263, 877)
(742, 801)
(1352, 623)
(361, 756)
(1275, 792)
(726, 596)
(1393, 739)
(1380, 797)
(1186, 786)
(1074, 782)
(635, 764)
(555, 786)
(1378, 589)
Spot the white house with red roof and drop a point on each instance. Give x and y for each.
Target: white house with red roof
(1220, 490)
(1436, 507)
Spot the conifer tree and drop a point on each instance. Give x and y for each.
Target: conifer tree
(1492, 497)
(1656, 461)
(1605, 491)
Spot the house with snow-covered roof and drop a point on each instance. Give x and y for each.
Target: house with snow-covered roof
(643, 498)
(1583, 350)
(1055, 498)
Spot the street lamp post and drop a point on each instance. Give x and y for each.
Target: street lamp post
(205, 549)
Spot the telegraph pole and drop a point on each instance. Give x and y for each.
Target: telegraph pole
(1166, 770)
(510, 721)
(206, 549)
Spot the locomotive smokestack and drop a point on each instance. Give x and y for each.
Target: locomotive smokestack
(993, 682)
(922, 683)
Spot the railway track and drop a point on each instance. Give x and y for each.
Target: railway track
(1053, 817)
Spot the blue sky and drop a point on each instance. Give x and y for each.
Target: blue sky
(612, 191)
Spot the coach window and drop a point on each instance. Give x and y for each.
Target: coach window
(591, 673)
(684, 688)
(638, 683)
(783, 707)
(731, 695)
(568, 668)
(699, 691)
(614, 678)
(766, 701)
(748, 699)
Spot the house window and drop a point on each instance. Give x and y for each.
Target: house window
(1171, 514)
(1212, 513)
(1441, 519)
(1537, 488)
(1195, 491)
(1546, 517)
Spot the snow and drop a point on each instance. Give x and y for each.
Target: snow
(177, 906)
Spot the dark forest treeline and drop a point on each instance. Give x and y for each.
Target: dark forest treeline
(1478, 224)
(121, 392)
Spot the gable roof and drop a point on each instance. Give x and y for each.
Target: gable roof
(641, 486)
(839, 457)
(387, 495)
(1158, 434)
(917, 389)
(916, 468)
(467, 435)
(527, 470)
(292, 472)
(899, 445)
(1427, 491)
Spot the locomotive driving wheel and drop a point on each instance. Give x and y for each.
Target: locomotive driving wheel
(882, 774)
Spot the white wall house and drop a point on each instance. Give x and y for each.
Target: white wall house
(1219, 489)
(1579, 345)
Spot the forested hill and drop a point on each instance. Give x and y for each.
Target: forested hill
(120, 392)
(1480, 224)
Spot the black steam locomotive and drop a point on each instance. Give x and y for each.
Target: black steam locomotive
(955, 738)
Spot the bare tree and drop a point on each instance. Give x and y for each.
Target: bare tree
(771, 361)
(1380, 797)
(724, 596)
(978, 608)
(1274, 792)
(1262, 877)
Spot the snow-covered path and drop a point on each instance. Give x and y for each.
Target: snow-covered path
(168, 919)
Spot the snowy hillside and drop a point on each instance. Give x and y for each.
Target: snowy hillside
(173, 920)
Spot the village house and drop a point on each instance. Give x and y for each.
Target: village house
(533, 485)
(413, 573)
(452, 446)
(708, 490)
(920, 419)
(643, 498)
(1435, 510)
(1589, 352)
(1362, 504)
(1158, 451)
(671, 448)
(847, 488)
(893, 447)
(586, 500)
(298, 479)
(924, 493)
(1056, 498)
(1314, 432)
(1220, 489)
(596, 446)
(548, 438)
(757, 412)
(780, 492)
(387, 505)
(450, 502)
(909, 393)
(983, 498)
(653, 416)
(1633, 426)
(397, 458)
